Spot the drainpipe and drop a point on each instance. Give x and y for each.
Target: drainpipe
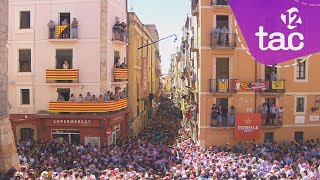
(255, 92)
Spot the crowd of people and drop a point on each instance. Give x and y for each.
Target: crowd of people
(165, 151)
(108, 96)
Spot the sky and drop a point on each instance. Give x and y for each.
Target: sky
(169, 16)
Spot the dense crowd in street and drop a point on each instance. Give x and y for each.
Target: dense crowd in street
(164, 150)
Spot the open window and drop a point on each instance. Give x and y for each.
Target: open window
(63, 55)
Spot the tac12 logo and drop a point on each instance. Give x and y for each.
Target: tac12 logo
(278, 31)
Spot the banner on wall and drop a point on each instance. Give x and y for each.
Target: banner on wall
(144, 78)
(277, 85)
(241, 85)
(248, 126)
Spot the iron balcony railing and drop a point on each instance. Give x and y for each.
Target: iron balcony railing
(223, 40)
(119, 34)
(220, 3)
(222, 86)
(228, 120)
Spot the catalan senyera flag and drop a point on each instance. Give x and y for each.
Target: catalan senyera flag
(223, 85)
(60, 29)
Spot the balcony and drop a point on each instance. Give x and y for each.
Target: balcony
(220, 3)
(194, 45)
(223, 40)
(195, 7)
(120, 33)
(120, 74)
(88, 107)
(222, 86)
(64, 75)
(276, 88)
(225, 121)
(62, 34)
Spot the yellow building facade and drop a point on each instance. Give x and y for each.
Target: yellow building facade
(299, 92)
(142, 107)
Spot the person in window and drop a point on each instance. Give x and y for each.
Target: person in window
(273, 77)
(52, 29)
(124, 94)
(65, 31)
(88, 97)
(74, 29)
(263, 110)
(72, 98)
(65, 65)
(116, 65)
(280, 114)
(224, 33)
(232, 115)
(273, 111)
(80, 98)
(60, 97)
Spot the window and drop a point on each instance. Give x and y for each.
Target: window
(300, 104)
(63, 55)
(27, 133)
(301, 69)
(25, 96)
(269, 136)
(24, 19)
(24, 60)
(298, 136)
(116, 57)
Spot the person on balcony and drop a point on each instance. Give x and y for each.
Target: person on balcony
(273, 78)
(80, 98)
(280, 114)
(72, 98)
(65, 32)
(65, 65)
(217, 32)
(116, 65)
(232, 115)
(100, 99)
(107, 96)
(74, 29)
(219, 116)
(224, 35)
(88, 97)
(263, 110)
(111, 96)
(215, 111)
(60, 97)
(273, 111)
(93, 98)
(52, 29)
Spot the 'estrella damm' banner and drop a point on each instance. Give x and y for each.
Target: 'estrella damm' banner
(248, 126)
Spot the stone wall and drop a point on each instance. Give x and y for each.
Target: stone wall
(8, 153)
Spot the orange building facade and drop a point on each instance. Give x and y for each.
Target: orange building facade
(228, 76)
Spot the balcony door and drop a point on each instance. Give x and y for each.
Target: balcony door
(63, 55)
(268, 70)
(65, 16)
(27, 133)
(222, 68)
(298, 136)
(222, 21)
(65, 92)
(223, 102)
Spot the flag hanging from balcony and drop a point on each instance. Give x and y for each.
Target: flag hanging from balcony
(241, 85)
(223, 85)
(60, 29)
(277, 85)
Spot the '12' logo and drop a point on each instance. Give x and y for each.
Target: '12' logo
(292, 20)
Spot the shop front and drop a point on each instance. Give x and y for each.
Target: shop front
(86, 130)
